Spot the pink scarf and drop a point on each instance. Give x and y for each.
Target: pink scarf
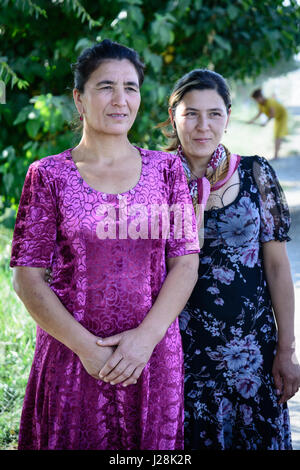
(219, 170)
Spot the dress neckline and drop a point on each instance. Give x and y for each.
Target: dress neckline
(238, 196)
(131, 190)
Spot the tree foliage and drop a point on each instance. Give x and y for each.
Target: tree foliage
(39, 39)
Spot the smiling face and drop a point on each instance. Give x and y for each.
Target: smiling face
(200, 119)
(111, 98)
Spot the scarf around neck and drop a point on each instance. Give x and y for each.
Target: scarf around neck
(219, 170)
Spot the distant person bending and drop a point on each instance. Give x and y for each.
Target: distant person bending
(272, 109)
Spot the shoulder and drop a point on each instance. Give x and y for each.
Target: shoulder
(249, 161)
(258, 166)
(161, 158)
(52, 166)
(158, 155)
(260, 169)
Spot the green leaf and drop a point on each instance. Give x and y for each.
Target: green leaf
(8, 179)
(81, 13)
(82, 44)
(6, 74)
(153, 59)
(162, 29)
(224, 43)
(23, 115)
(135, 13)
(198, 4)
(233, 12)
(32, 127)
(132, 2)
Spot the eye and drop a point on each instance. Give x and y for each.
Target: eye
(129, 88)
(104, 87)
(190, 113)
(215, 113)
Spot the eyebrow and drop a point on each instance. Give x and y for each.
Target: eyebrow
(110, 82)
(196, 109)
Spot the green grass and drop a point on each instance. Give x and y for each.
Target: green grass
(17, 340)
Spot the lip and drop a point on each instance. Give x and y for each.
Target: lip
(202, 140)
(117, 115)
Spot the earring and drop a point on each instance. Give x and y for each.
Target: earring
(81, 118)
(225, 131)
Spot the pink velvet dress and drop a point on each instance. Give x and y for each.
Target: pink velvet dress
(108, 281)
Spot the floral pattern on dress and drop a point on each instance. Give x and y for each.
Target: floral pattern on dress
(228, 327)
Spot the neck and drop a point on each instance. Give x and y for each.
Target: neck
(198, 165)
(106, 148)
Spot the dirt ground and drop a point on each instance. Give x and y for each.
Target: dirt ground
(288, 171)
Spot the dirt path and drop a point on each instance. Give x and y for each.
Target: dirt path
(288, 171)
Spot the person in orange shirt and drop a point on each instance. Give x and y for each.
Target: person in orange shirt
(272, 109)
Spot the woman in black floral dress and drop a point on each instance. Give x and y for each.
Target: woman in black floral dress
(239, 368)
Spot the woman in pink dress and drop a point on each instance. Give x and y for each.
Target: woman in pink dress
(93, 214)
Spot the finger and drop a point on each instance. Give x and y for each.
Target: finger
(110, 364)
(287, 391)
(128, 371)
(110, 341)
(134, 377)
(278, 382)
(116, 372)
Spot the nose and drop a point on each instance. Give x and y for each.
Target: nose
(202, 122)
(119, 98)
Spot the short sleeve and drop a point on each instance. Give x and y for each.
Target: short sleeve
(183, 236)
(35, 229)
(274, 211)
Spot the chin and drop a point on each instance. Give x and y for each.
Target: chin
(204, 154)
(115, 130)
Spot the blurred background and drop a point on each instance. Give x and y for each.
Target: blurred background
(251, 43)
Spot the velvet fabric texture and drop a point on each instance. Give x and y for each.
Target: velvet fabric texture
(108, 282)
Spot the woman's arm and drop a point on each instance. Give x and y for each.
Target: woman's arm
(286, 370)
(49, 313)
(255, 117)
(134, 347)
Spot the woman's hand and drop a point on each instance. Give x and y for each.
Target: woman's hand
(94, 358)
(286, 373)
(134, 348)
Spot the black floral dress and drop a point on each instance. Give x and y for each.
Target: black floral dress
(228, 327)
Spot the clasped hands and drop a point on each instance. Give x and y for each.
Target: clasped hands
(122, 356)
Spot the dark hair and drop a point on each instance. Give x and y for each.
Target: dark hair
(198, 79)
(91, 58)
(257, 93)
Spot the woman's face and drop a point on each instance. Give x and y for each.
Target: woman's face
(200, 118)
(111, 98)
